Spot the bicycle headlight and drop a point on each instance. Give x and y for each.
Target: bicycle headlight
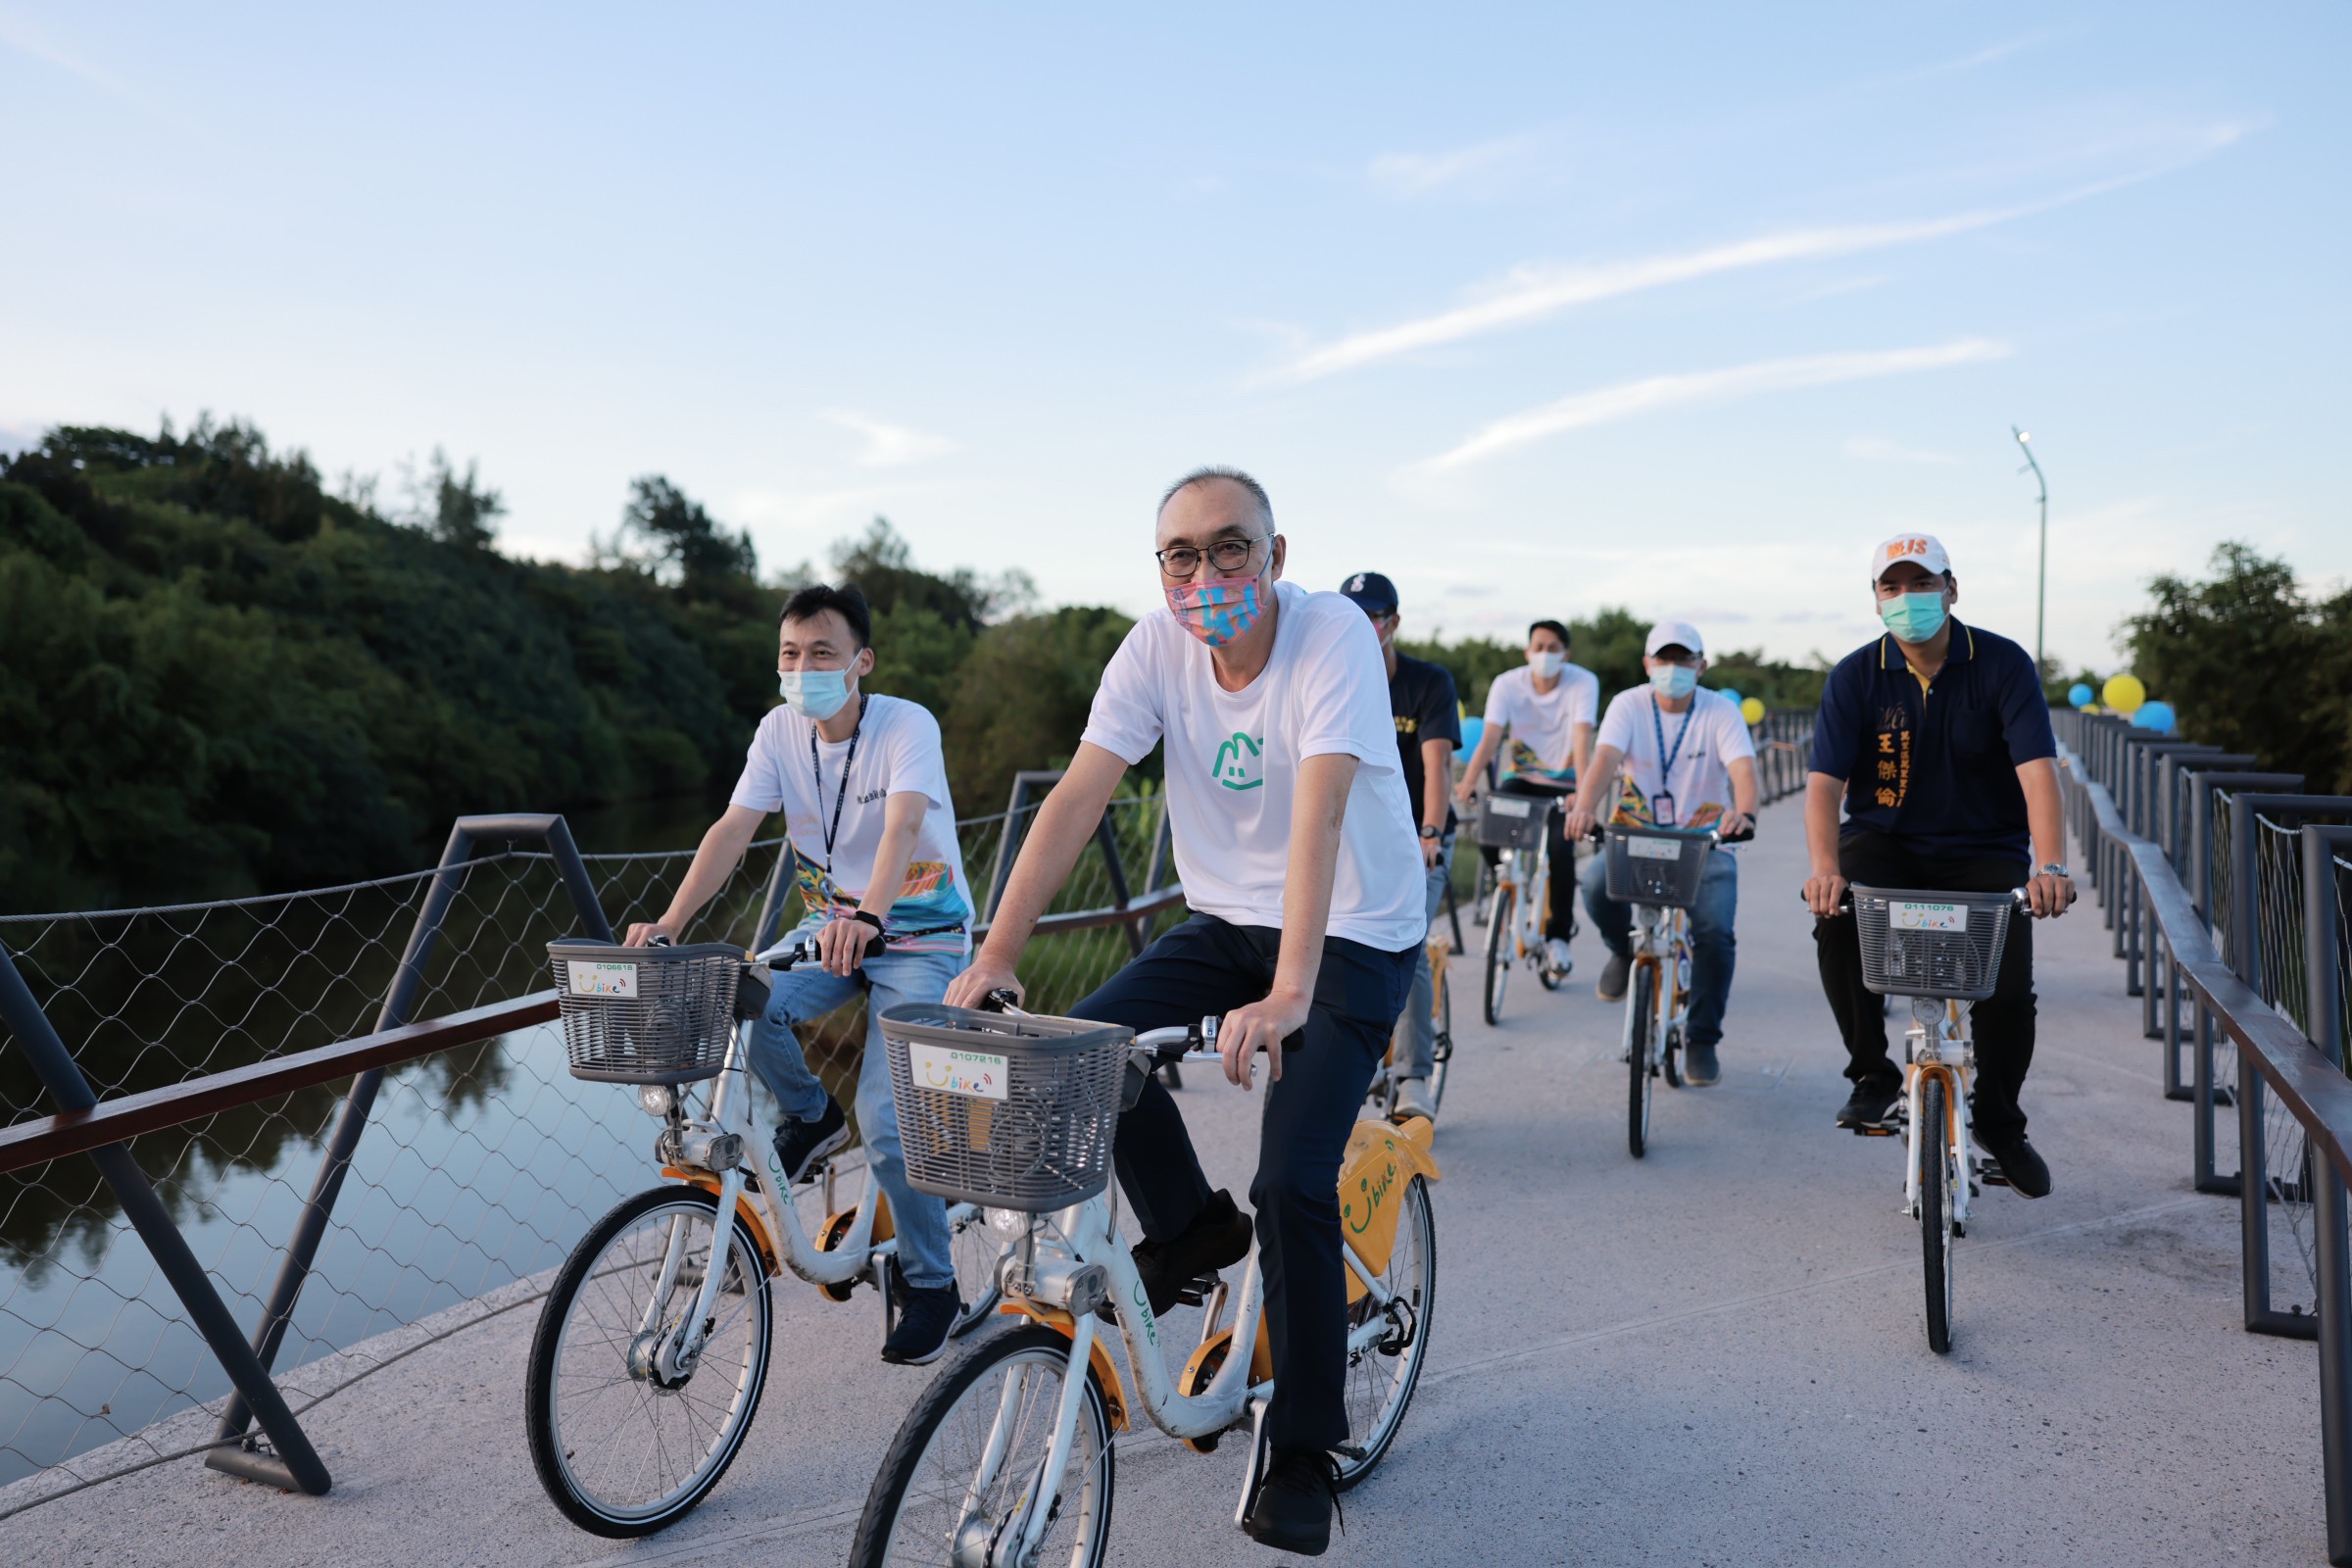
(659, 1099)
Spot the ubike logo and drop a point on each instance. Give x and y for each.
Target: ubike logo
(1376, 1192)
(1240, 763)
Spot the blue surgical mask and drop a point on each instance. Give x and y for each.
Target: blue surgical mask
(816, 693)
(1674, 682)
(1913, 618)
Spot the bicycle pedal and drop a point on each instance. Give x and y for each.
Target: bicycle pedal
(1196, 1291)
(1875, 1130)
(1989, 1172)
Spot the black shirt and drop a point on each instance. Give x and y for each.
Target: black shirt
(1936, 768)
(1421, 696)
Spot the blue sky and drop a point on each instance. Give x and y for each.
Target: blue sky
(1535, 309)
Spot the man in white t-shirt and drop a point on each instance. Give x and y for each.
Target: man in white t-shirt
(1304, 874)
(1673, 756)
(1539, 723)
(863, 788)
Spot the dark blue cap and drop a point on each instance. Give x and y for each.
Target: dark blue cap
(1374, 594)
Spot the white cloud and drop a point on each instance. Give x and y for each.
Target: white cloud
(1879, 450)
(1531, 293)
(1650, 394)
(1414, 174)
(887, 444)
(16, 34)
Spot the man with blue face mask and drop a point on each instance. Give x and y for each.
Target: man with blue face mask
(1935, 740)
(1673, 756)
(862, 784)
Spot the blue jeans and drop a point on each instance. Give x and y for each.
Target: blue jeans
(803, 996)
(1712, 944)
(1420, 1029)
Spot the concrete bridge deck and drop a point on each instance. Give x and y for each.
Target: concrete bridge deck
(1710, 1356)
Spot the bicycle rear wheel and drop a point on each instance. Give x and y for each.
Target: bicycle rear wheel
(1933, 1138)
(1640, 1017)
(970, 1456)
(625, 1439)
(1381, 1377)
(1502, 942)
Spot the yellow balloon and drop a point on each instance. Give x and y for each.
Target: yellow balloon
(2124, 693)
(1752, 710)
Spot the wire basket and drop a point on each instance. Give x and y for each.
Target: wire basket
(1926, 944)
(1513, 821)
(646, 1015)
(1656, 865)
(1008, 1113)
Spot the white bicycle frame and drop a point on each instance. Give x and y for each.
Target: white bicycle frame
(1057, 1245)
(1527, 916)
(1934, 1041)
(1663, 934)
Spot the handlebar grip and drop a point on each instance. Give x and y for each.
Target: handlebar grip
(1737, 838)
(1001, 1000)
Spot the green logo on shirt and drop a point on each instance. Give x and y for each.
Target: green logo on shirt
(1237, 763)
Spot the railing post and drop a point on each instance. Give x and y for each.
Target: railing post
(297, 1465)
(2324, 986)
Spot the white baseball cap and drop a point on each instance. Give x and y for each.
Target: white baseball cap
(1921, 549)
(1672, 634)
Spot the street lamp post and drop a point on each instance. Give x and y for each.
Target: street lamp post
(2041, 579)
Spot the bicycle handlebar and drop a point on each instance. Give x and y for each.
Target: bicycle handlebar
(804, 952)
(2018, 899)
(1715, 835)
(1177, 1043)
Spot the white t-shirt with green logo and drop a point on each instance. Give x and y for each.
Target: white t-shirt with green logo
(1232, 763)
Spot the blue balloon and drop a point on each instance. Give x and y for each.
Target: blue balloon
(1472, 729)
(1729, 696)
(2080, 696)
(2157, 717)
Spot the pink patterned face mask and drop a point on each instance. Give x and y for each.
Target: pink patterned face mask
(1219, 610)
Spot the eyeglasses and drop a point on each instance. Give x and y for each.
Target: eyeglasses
(1228, 556)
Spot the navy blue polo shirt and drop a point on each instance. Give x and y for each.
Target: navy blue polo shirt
(1936, 768)
(1421, 696)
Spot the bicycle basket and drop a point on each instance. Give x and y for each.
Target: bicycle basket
(1513, 821)
(646, 1015)
(1656, 866)
(1009, 1112)
(1923, 944)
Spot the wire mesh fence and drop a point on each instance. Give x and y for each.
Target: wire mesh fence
(2289, 1173)
(480, 1166)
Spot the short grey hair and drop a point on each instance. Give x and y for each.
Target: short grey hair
(1257, 492)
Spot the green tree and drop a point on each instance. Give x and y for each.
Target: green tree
(685, 546)
(1023, 696)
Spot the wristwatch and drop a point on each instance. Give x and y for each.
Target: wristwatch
(2054, 869)
(1429, 832)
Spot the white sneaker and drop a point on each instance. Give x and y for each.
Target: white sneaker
(1413, 1099)
(1557, 956)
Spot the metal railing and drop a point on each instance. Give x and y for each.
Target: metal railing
(2227, 891)
(193, 1053)
(1784, 752)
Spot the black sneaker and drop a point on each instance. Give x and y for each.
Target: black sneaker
(1699, 1066)
(2026, 1172)
(801, 1143)
(1218, 1238)
(1293, 1506)
(1870, 1104)
(926, 1317)
(1612, 987)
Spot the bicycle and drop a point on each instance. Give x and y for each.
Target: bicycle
(1657, 871)
(1517, 825)
(1014, 1441)
(1939, 949)
(648, 1362)
(1382, 1091)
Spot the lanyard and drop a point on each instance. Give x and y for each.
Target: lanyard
(842, 794)
(1666, 757)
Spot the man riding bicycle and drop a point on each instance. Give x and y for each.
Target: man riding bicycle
(1547, 711)
(1421, 699)
(1687, 760)
(863, 788)
(1299, 864)
(1936, 737)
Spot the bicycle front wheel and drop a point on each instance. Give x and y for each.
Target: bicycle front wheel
(1382, 1376)
(1933, 1137)
(1441, 1016)
(1501, 942)
(625, 1435)
(958, 1477)
(977, 1247)
(1640, 1017)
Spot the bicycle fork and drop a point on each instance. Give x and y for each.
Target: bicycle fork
(668, 1355)
(977, 1543)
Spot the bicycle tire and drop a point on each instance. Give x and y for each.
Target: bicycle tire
(1412, 1276)
(1670, 1058)
(1935, 1209)
(962, 1382)
(1441, 1053)
(547, 1424)
(1499, 941)
(1640, 1014)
